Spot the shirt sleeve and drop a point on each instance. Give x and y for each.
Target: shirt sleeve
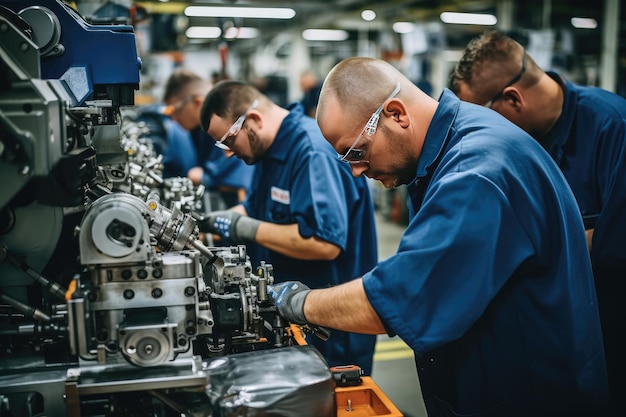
(456, 254)
(318, 200)
(220, 170)
(180, 155)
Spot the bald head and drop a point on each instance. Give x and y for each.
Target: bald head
(360, 85)
(489, 62)
(354, 92)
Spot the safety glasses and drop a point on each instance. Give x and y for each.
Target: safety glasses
(235, 128)
(174, 108)
(356, 155)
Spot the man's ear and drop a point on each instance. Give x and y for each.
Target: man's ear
(255, 117)
(513, 97)
(199, 100)
(396, 109)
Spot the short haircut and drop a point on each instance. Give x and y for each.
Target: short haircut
(180, 80)
(228, 99)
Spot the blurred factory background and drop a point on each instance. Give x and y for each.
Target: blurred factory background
(273, 42)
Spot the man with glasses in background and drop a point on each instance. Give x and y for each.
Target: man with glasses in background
(305, 213)
(584, 129)
(491, 285)
(225, 179)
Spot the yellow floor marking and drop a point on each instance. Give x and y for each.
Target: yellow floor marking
(390, 350)
(386, 345)
(392, 356)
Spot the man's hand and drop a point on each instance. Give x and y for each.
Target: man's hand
(195, 174)
(289, 298)
(230, 225)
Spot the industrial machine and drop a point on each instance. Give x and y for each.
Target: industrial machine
(110, 304)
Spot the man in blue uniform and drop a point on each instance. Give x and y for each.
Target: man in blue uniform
(197, 158)
(313, 221)
(584, 129)
(491, 285)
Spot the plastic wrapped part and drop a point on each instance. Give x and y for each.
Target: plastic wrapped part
(286, 382)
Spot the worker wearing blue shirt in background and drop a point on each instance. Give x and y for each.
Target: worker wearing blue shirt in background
(313, 220)
(168, 139)
(491, 285)
(197, 157)
(584, 129)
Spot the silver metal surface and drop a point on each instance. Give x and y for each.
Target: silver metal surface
(105, 285)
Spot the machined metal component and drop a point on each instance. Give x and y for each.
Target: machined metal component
(127, 295)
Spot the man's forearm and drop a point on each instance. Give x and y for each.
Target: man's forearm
(344, 307)
(589, 234)
(285, 239)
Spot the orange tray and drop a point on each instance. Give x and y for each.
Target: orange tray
(364, 400)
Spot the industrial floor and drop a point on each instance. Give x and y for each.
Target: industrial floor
(394, 366)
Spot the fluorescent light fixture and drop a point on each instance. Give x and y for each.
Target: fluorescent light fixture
(584, 22)
(403, 27)
(368, 15)
(468, 18)
(241, 33)
(251, 12)
(324, 35)
(203, 32)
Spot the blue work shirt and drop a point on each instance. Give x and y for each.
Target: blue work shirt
(588, 142)
(168, 138)
(186, 150)
(220, 173)
(492, 285)
(179, 154)
(300, 180)
(219, 170)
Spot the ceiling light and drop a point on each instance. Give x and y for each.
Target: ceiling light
(403, 27)
(241, 33)
(468, 18)
(584, 22)
(368, 15)
(203, 32)
(324, 35)
(251, 12)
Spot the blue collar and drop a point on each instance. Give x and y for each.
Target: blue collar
(280, 147)
(563, 127)
(435, 139)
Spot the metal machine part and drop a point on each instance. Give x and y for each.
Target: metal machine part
(54, 117)
(150, 287)
(145, 136)
(104, 295)
(144, 310)
(74, 49)
(52, 42)
(46, 158)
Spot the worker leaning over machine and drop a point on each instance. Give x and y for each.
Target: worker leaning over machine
(305, 213)
(491, 285)
(584, 129)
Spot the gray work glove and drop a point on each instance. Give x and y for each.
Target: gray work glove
(230, 225)
(289, 298)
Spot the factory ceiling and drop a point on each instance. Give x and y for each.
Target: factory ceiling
(346, 14)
